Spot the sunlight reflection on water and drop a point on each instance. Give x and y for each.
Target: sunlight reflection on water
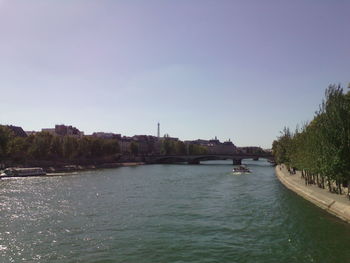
(165, 213)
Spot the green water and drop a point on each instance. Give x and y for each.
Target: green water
(165, 213)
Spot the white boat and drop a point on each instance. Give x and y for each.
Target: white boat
(241, 170)
(22, 172)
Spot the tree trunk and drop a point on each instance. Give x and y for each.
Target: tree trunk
(339, 187)
(322, 181)
(329, 185)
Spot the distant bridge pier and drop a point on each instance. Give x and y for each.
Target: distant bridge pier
(193, 162)
(237, 161)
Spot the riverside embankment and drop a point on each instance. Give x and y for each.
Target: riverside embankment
(337, 205)
(75, 168)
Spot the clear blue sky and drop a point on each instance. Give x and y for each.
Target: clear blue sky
(202, 68)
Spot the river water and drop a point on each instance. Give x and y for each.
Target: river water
(165, 213)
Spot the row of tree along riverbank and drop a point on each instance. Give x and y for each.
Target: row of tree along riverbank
(321, 148)
(337, 205)
(44, 149)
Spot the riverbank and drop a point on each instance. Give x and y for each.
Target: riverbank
(73, 169)
(337, 205)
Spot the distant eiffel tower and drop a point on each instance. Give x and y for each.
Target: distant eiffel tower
(158, 134)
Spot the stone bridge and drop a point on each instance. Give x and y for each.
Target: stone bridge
(196, 159)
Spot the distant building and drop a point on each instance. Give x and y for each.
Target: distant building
(166, 136)
(147, 144)
(124, 144)
(214, 146)
(214, 141)
(67, 130)
(199, 142)
(63, 130)
(17, 131)
(106, 135)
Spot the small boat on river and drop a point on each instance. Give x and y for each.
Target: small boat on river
(241, 170)
(22, 172)
(272, 162)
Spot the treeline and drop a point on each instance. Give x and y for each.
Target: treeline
(44, 146)
(171, 147)
(321, 148)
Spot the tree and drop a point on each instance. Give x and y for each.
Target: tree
(70, 147)
(180, 148)
(134, 148)
(40, 146)
(110, 146)
(56, 148)
(17, 149)
(321, 149)
(195, 149)
(167, 146)
(281, 147)
(5, 137)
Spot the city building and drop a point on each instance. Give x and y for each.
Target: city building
(214, 146)
(166, 136)
(107, 135)
(17, 131)
(63, 130)
(125, 143)
(147, 144)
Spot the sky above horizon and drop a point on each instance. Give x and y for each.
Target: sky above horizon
(233, 69)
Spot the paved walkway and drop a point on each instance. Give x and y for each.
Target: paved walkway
(338, 205)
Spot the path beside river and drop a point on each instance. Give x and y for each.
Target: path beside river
(337, 205)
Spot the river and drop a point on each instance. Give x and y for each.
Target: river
(165, 213)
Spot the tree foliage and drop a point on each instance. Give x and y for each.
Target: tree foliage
(5, 138)
(44, 146)
(195, 149)
(321, 149)
(172, 147)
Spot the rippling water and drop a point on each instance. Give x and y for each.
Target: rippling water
(165, 213)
